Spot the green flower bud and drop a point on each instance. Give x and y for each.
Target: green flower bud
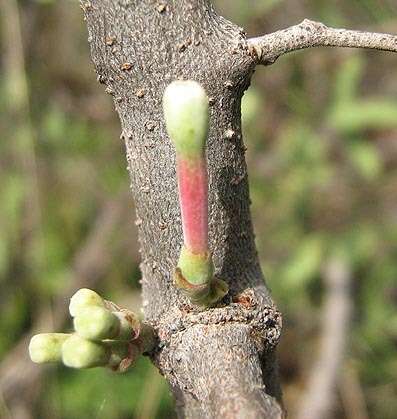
(84, 298)
(96, 323)
(78, 352)
(186, 115)
(197, 267)
(46, 347)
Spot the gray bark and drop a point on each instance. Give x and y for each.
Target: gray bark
(219, 362)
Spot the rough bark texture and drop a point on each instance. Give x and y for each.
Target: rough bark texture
(219, 362)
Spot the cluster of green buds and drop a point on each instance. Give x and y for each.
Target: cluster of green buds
(104, 336)
(186, 113)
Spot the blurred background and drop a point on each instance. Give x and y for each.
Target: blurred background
(321, 131)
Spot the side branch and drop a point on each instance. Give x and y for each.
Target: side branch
(310, 34)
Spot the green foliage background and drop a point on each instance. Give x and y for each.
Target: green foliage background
(321, 132)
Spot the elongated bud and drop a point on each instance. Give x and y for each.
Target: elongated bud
(46, 347)
(78, 352)
(96, 323)
(186, 116)
(84, 298)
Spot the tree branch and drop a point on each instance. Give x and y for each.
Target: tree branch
(308, 34)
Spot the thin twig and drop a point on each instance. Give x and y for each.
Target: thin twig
(351, 393)
(19, 111)
(319, 397)
(308, 34)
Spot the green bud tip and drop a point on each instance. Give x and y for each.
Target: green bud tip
(186, 116)
(46, 347)
(84, 298)
(96, 323)
(78, 352)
